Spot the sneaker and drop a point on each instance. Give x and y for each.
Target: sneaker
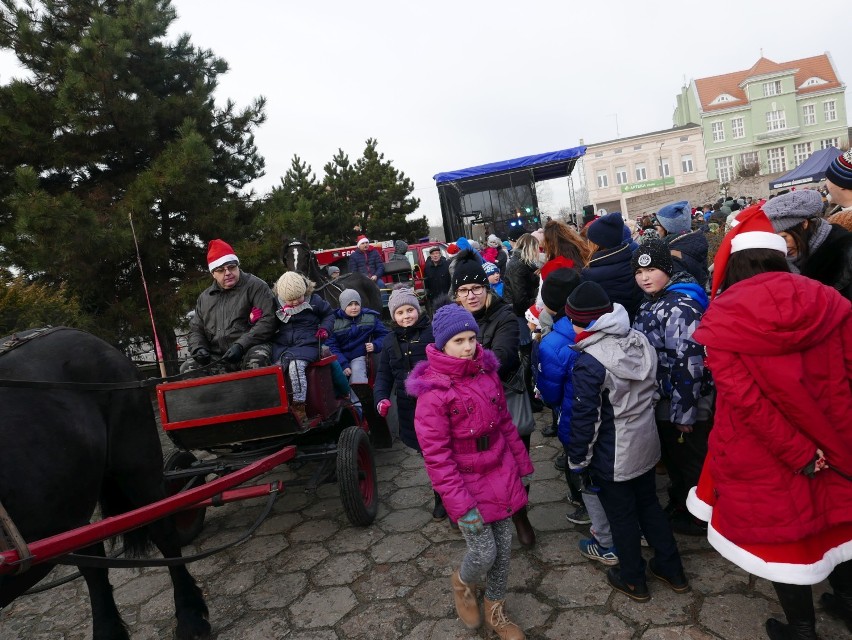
(559, 463)
(677, 583)
(638, 592)
(579, 516)
(594, 551)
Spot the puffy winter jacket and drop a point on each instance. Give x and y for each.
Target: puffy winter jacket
(369, 263)
(613, 431)
(349, 335)
(222, 316)
(689, 253)
(611, 269)
(831, 263)
(296, 338)
(521, 284)
(436, 278)
(403, 348)
(669, 320)
(473, 454)
(499, 332)
(556, 359)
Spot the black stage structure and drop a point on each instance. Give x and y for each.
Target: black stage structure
(499, 195)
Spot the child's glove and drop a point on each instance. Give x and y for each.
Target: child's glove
(321, 334)
(255, 315)
(383, 407)
(471, 521)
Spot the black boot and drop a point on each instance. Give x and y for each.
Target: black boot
(438, 511)
(796, 600)
(550, 431)
(838, 605)
(526, 534)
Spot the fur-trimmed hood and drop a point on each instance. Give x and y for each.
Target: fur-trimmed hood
(439, 370)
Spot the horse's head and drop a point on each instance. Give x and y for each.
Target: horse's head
(297, 256)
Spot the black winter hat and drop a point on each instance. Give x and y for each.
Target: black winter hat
(607, 231)
(654, 254)
(587, 303)
(558, 286)
(515, 233)
(468, 270)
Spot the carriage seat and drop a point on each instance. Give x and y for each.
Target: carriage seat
(321, 399)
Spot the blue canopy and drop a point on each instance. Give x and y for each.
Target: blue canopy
(544, 166)
(811, 170)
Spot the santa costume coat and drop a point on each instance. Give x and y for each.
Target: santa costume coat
(779, 346)
(458, 403)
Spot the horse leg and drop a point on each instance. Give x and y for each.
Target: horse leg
(106, 620)
(190, 609)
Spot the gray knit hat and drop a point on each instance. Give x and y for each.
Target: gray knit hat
(347, 296)
(400, 296)
(790, 209)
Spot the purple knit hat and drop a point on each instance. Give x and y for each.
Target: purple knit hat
(450, 320)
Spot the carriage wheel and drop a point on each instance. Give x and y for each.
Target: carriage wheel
(188, 522)
(356, 476)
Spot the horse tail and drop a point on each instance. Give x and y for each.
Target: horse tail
(114, 501)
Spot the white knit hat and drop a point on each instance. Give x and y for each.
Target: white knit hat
(290, 286)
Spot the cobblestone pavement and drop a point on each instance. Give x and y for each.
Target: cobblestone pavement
(307, 574)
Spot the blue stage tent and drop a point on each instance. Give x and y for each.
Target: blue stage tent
(811, 170)
(545, 166)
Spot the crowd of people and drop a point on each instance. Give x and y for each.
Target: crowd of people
(734, 377)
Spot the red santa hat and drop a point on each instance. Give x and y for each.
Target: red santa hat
(559, 262)
(532, 315)
(752, 230)
(362, 239)
(452, 248)
(220, 252)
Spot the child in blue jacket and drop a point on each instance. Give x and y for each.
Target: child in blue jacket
(357, 331)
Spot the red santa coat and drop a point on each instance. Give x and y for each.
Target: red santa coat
(779, 346)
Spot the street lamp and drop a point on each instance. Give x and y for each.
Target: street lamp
(662, 173)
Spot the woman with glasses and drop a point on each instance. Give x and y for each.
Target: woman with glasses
(498, 332)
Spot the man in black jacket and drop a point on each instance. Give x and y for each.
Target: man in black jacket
(436, 276)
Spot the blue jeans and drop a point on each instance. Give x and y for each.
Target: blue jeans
(631, 507)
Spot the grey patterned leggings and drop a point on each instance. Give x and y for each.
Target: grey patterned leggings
(487, 558)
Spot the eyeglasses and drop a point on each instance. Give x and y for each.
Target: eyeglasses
(232, 267)
(475, 290)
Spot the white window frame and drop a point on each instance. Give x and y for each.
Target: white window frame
(686, 163)
(829, 110)
(776, 120)
(603, 179)
(776, 159)
(718, 129)
(749, 158)
(663, 168)
(737, 128)
(621, 175)
(724, 169)
(801, 152)
(772, 88)
(641, 172)
(808, 114)
(829, 142)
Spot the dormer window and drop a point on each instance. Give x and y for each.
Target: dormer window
(812, 82)
(722, 98)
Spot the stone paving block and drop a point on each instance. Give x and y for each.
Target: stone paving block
(433, 598)
(665, 607)
(441, 531)
(393, 457)
(302, 558)
(584, 624)
(524, 572)
(735, 616)
(405, 520)
(579, 586)
(443, 558)
(442, 630)
(399, 547)
(550, 490)
(387, 581)
(339, 569)
(710, 573)
(385, 475)
(140, 589)
(378, 621)
(415, 477)
(354, 539)
(313, 530)
(279, 524)
(260, 549)
(687, 632)
(526, 611)
(557, 549)
(410, 497)
(263, 626)
(329, 507)
(322, 608)
(551, 517)
(277, 591)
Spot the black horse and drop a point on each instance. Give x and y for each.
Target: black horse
(297, 256)
(63, 452)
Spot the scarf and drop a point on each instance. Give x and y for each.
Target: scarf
(285, 313)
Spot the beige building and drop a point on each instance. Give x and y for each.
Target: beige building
(619, 170)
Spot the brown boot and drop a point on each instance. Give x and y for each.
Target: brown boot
(497, 622)
(466, 605)
(298, 411)
(526, 534)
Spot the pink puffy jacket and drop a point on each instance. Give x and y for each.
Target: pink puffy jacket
(473, 454)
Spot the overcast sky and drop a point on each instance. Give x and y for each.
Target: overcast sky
(445, 85)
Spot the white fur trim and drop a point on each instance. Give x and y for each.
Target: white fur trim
(223, 260)
(758, 240)
(697, 506)
(788, 573)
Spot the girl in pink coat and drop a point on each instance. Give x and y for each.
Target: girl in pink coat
(474, 458)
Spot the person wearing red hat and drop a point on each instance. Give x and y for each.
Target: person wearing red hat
(234, 317)
(776, 487)
(366, 260)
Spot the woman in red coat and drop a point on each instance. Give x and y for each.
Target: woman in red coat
(776, 487)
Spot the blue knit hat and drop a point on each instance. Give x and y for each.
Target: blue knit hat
(490, 268)
(607, 231)
(840, 170)
(675, 217)
(450, 320)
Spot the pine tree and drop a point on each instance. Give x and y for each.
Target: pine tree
(112, 120)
